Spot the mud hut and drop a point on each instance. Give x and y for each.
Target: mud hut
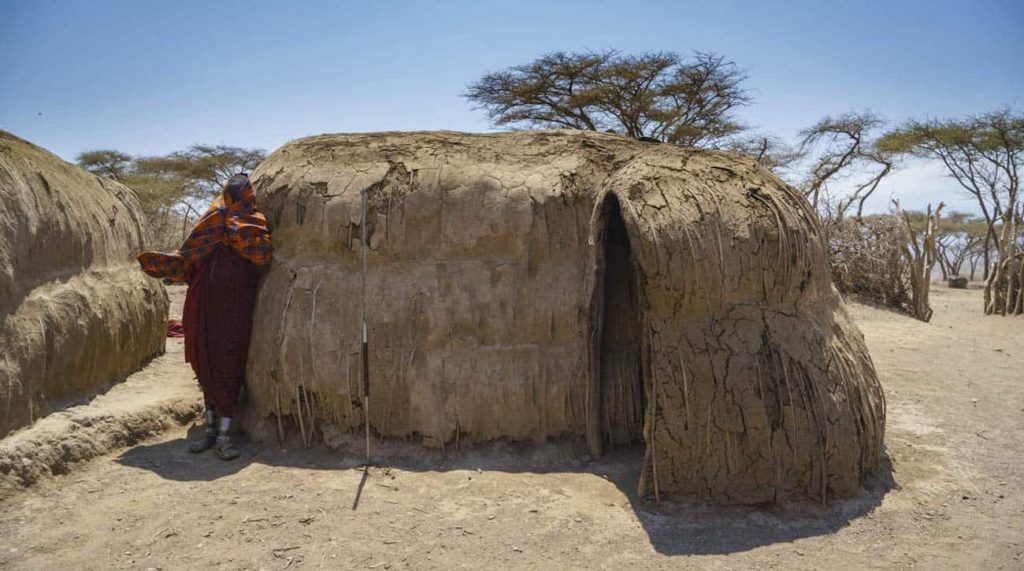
(75, 312)
(564, 284)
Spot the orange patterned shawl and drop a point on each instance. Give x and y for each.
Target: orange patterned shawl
(232, 220)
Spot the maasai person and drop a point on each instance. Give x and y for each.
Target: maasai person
(221, 261)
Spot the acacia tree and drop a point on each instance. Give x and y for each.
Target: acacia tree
(843, 144)
(200, 172)
(173, 189)
(106, 162)
(838, 168)
(656, 95)
(959, 242)
(984, 155)
(207, 167)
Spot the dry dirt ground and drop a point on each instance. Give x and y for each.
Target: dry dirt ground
(952, 496)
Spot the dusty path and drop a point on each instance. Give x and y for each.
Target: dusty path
(159, 397)
(154, 399)
(954, 497)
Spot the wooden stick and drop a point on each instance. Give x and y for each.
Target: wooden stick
(365, 346)
(654, 421)
(299, 412)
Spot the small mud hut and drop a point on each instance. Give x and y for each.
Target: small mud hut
(553, 284)
(75, 311)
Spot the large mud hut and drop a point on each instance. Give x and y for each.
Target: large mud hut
(564, 284)
(75, 311)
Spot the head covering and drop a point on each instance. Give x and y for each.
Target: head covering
(232, 220)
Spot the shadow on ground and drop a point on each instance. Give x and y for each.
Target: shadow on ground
(674, 527)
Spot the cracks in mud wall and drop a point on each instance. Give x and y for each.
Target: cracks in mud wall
(760, 389)
(764, 421)
(467, 332)
(755, 386)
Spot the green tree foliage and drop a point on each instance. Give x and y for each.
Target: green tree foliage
(657, 95)
(106, 162)
(959, 242)
(206, 168)
(174, 189)
(984, 154)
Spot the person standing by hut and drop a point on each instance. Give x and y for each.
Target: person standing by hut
(221, 261)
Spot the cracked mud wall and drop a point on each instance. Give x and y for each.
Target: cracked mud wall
(761, 389)
(75, 311)
(474, 315)
(484, 265)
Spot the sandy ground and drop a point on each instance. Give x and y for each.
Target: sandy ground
(155, 398)
(952, 497)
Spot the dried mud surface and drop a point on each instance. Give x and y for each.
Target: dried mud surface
(484, 290)
(152, 400)
(75, 311)
(952, 498)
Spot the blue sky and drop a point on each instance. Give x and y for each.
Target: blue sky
(153, 77)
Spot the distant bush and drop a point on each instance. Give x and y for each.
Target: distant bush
(868, 260)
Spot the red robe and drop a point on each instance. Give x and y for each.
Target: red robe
(218, 323)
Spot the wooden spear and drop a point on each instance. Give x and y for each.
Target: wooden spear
(365, 347)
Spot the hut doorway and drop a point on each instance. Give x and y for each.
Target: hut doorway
(619, 390)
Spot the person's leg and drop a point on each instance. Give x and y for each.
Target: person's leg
(226, 449)
(196, 355)
(226, 394)
(235, 284)
(209, 436)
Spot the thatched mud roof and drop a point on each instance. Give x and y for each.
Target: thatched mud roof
(555, 284)
(75, 311)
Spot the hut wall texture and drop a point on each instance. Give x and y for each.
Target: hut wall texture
(75, 311)
(485, 265)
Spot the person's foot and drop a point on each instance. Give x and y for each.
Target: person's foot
(225, 449)
(204, 442)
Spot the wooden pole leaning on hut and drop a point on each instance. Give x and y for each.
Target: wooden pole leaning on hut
(365, 349)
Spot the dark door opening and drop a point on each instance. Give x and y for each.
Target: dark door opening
(621, 401)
